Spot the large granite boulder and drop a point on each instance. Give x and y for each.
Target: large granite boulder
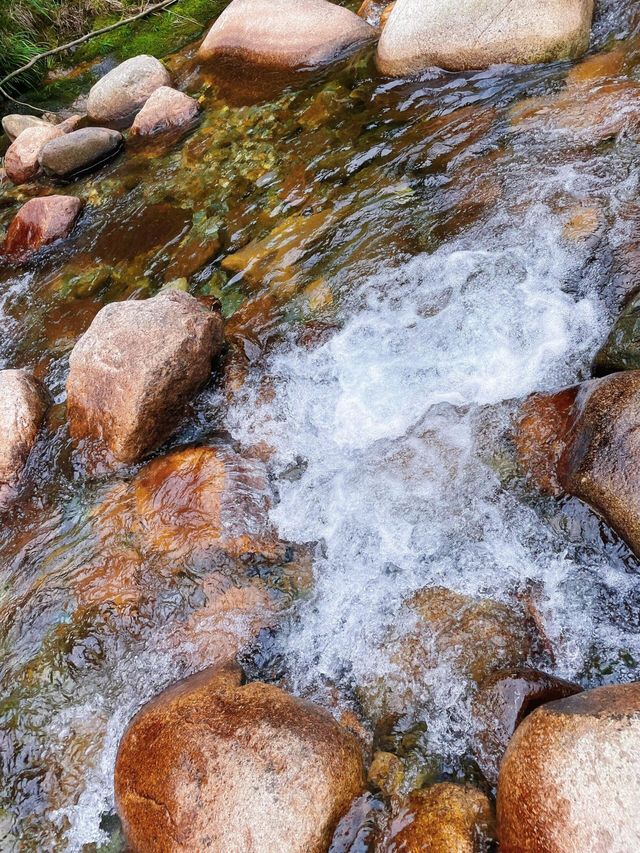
(116, 98)
(40, 222)
(585, 441)
(444, 818)
(22, 160)
(166, 109)
(23, 403)
(570, 780)
(285, 34)
(135, 368)
(79, 151)
(469, 34)
(211, 764)
(503, 701)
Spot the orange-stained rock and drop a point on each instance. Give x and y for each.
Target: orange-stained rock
(23, 403)
(203, 497)
(473, 637)
(597, 67)
(22, 160)
(115, 581)
(166, 109)
(135, 368)
(445, 818)
(39, 222)
(590, 447)
(570, 780)
(213, 765)
(541, 435)
(284, 34)
(504, 699)
(376, 12)
(387, 774)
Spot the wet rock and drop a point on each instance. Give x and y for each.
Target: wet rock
(459, 35)
(594, 444)
(22, 160)
(79, 151)
(23, 403)
(570, 780)
(501, 704)
(13, 125)
(166, 109)
(119, 95)
(40, 222)
(73, 122)
(212, 764)
(445, 818)
(471, 637)
(204, 497)
(281, 34)
(621, 350)
(386, 773)
(135, 368)
(376, 12)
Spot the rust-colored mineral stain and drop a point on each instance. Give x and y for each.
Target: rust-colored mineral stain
(146, 228)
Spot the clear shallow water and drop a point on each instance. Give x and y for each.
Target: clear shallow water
(419, 274)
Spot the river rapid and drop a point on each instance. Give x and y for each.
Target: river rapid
(426, 258)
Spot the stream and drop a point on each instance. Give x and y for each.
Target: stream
(423, 261)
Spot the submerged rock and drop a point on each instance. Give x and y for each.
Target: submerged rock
(469, 34)
(570, 780)
(504, 699)
(79, 150)
(213, 765)
(23, 403)
(285, 34)
(40, 222)
(166, 109)
(22, 160)
(444, 818)
(135, 368)
(593, 444)
(13, 125)
(119, 95)
(621, 350)
(471, 637)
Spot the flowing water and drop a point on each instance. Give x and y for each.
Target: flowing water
(421, 255)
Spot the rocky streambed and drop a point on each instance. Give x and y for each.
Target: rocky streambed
(318, 413)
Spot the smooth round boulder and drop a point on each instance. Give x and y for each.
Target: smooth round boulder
(39, 222)
(135, 368)
(503, 701)
(445, 818)
(79, 151)
(116, 98)
(570, 780)
(285, 34)
(211, 764)
(14, 124)
(460, 35)
(23, 404)
(22, 160)
(166, 109)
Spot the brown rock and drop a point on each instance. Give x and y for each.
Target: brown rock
(22, 160)
(13, 125)
(213, 765)
(570, 780)
(468, 34)
(594, 449)
(116, 98)
(23, 403)
(79, 151)
(41, 221)
(376, 12)
(474, 637)
(503, 701)
(166, 109)
(135, 368)
(445, 818)
(281, 34)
